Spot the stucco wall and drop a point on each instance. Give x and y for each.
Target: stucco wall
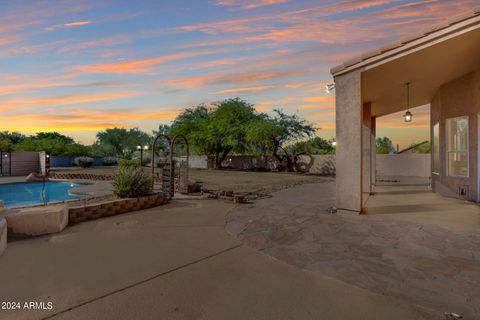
(403, 165)
(400, 165)
(460, 97)
(200, 162)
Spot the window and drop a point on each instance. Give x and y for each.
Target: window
(436, 148)
(457, 147)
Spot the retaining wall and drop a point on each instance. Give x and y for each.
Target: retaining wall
(114, 207)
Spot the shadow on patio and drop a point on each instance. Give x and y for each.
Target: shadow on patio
(418, 203)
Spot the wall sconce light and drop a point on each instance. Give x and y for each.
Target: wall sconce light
(329, 88)
(408, 116)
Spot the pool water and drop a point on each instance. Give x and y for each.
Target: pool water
(30, 193)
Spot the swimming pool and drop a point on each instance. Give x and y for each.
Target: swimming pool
(31, 193)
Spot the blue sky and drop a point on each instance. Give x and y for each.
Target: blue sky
(78, 67)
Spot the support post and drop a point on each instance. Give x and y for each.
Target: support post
(373, 158)
(349, 119)
(366, 154)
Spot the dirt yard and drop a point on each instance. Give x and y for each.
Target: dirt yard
(228, 180)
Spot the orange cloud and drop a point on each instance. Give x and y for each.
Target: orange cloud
(80, 120)
(76, 23)
(4, 40)
(68, 24)
(249, 89)
(249, 4)
(229, 78)
(103, 42)
(309, 106)
(138, 66)
(61, 100)
(63, 127)
(320, 99)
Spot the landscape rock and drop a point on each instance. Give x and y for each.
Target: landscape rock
(3, 235)
(37, 221)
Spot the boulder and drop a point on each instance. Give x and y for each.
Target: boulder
(194, 187)
(37, 221)
(35, 177)
(3, 235)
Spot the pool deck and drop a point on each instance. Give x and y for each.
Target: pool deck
(4, 180)
(175, 262)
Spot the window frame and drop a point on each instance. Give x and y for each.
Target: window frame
(448, 151)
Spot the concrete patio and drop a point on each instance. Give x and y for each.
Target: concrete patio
(411, 244)
(175, 262)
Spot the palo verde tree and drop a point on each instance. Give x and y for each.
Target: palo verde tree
(120, 142)
(13, 136)
(314, 145)
(218, 130)
(54, 143)
(384, 146)
(272, 133)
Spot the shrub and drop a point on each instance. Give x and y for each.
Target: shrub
(83, 162)
(132, 182)
(123, 163)
(109, 161)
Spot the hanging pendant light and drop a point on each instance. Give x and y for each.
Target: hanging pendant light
(408, 116)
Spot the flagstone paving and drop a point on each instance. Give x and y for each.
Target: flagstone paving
(426, 251)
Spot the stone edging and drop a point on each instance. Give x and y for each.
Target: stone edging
(114, 207)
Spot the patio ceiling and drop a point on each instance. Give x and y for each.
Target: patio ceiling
(426, 68)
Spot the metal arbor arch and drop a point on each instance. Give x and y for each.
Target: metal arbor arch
(168, 170)
(166, 178)
(182, 182)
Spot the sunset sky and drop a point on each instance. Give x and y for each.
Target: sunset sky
(78, 67)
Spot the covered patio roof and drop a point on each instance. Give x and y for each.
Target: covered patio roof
(426, 60)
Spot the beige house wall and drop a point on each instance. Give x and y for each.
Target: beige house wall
(460, 97)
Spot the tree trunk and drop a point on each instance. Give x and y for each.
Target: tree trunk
(215, 165)
(223, 157)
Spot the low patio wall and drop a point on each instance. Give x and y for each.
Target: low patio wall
(80, 176)
(114, 207)
(403, 165)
